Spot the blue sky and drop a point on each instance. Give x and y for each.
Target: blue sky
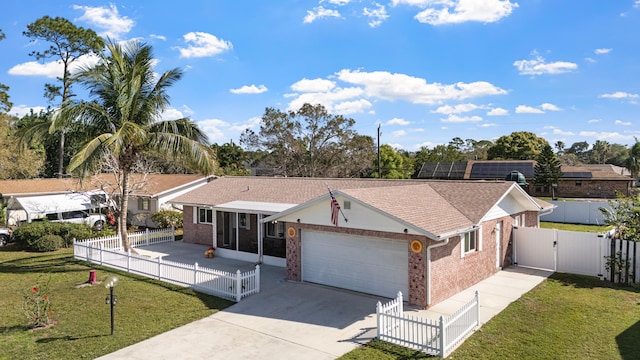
(425, 70)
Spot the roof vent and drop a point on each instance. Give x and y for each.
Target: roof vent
(517, 177)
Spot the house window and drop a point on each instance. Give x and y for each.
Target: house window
(143, 204)
(205, 216)
(470, 241)
(244, 221)
(275, 230)
(578, 182)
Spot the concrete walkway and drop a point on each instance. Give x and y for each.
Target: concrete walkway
(289, 320)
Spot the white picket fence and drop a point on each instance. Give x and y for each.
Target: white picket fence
(107, 251)
(437, 338)
(137, 239)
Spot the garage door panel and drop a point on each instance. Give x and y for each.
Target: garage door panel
(371, 265)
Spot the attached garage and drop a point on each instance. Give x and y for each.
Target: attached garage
(366, 264)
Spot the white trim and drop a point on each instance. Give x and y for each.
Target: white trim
(195, 214)
(479, 239)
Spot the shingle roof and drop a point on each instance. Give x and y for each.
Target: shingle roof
(155, 184)
(438, 206)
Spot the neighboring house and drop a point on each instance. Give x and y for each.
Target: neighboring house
(584, 181)
(151, 193)
(428, 239)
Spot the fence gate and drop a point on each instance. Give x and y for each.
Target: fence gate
(558, 250)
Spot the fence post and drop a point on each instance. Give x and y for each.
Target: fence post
(442, 337)
(238, 286)
(159, 267)
(257, 278)
(128, 260)
(400, 307)
(379, 320)
(477, 308)
(87, 249)
(101, 253)
(173, 233)
(146, 236)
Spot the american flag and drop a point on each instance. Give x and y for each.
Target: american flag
(335, 209)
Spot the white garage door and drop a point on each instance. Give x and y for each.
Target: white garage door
(370, 265)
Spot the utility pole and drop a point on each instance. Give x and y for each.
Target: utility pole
(379, 173)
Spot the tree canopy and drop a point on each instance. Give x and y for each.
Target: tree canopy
(547, 171)
(5, 104)
(123, 119)
(310, 142)
(392, 164)
(519, 145)
(67, 43)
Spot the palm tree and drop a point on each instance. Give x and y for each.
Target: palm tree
(123, 119)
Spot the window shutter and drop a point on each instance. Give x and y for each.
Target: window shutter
(479, 238)
(195, 215)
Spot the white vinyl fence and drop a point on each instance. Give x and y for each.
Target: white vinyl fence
(577, 212)
(108, 252)
(437, 338)
(574, 252)
(137, 239)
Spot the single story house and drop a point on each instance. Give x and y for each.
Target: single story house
(428, 239)
(151, 192)
(583, 181)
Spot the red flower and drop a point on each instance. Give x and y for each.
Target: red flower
(46, 297)
(34, 290)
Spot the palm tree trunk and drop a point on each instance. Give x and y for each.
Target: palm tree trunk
(124, 210)
(61, 157)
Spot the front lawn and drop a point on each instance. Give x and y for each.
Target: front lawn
(82, 327)
(565, 317)
(600, 229)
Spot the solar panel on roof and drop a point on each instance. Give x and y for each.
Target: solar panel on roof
(500, 169)
(577, 174)
(443, 170)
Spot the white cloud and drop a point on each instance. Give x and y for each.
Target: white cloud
(22, 110)
(329, 98)
(171, 114)
(52, 69)
(623, 123)
(549, 107)
(213, 128)
(388, 86)
(108, 20)
(461, 119)
(616, 136)
(398, 133)
(602, 51)
(249, 89)
(459, 11)
(590, 60)
(203, 45)
(486, 125)
(619, 95)
(538, 66)
(397, 121)
(457, 109)
(557, 131)
(249, 124)
(523, 109)
(318, 13)
(497, 112)
(376, 16)
(338, 2)
(315, 85)
(593, 121)
(159, 37)
(351, 107)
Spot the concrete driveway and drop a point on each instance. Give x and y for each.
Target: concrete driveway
(286, 320)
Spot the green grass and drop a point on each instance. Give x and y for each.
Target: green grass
(600, 229)
(145, 307)
(565, 317)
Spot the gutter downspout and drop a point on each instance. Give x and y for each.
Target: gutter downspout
(445, 242)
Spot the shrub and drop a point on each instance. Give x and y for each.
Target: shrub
(167, 218)
(36, 305)
(28, 234)
(47, 243)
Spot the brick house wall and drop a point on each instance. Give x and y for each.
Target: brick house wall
(195, 233)
(451, 273)
(584, 188)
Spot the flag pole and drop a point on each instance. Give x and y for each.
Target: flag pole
(340, 208)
